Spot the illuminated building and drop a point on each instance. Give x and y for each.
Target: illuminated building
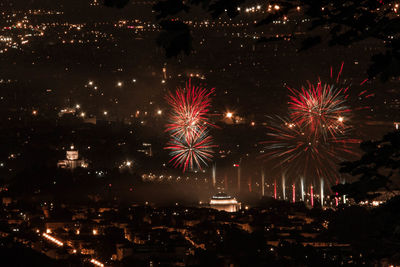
(222, 201)
(67, 111)
(146, 149)
(72, 160)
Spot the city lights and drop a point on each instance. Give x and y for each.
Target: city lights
(97, 263)
(53, 240)
(181, 133)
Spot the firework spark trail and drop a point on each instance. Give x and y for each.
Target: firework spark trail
(316, 136)
(190, 108)
(323, 108)
(326, 107)
(298, 151)
(190, 145)
(187, 154)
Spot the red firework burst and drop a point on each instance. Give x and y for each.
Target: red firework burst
(190, 145)
(299, 152)
(325, 108)
(191, 153)
(317, 135)
(190, 108)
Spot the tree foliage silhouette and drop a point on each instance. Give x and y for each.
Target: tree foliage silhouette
(377, 170)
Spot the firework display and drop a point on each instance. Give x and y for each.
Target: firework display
(191, 153)
(190, 145)
(190, 108)
(300, 152)
(316, 135)
(322, 108)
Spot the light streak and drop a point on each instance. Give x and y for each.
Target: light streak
(52, 239)
(262, 183)
(312, 196)
(96, 262)
(223, 201)
(322, 192)
(294, 193)
(214, 170)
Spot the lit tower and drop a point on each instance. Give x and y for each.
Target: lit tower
(249, 182)
(322, 192)
(214, 170)
(262, 183)
(238, 174)
(294, 193)
(312, 196)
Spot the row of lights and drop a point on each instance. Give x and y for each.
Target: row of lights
(59, 243)
(97, 263)
(52, 239)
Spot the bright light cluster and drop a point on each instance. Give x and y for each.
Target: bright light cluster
(52, 239)
(223, 201)
(97, 263)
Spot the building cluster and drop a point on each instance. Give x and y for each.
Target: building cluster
(110, 235)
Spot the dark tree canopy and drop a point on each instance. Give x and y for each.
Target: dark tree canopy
(341, 22)
(377, 170)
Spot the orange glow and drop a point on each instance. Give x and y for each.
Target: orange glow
(97, 263)
(223, 202)
(52, 239)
